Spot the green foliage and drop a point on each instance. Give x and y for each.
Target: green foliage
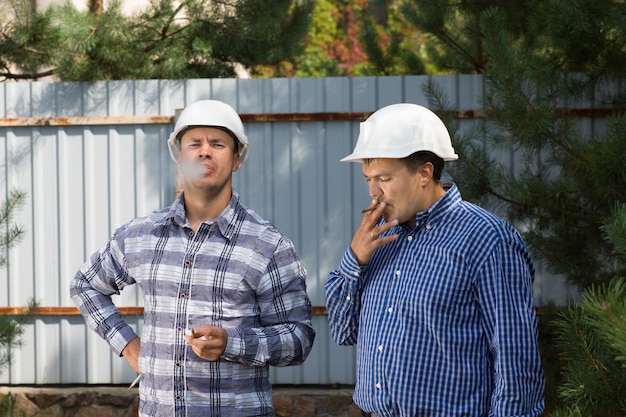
(167, 40)
(454, 41)
(332, 44)
(387, 51)
(7, 407)
(319, 58)
(10, 232)
(563, 182)
(11, 330)
(592, 337)
(11, 327)
(347, 39)
(615, 230)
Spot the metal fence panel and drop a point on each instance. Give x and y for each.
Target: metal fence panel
(86, 178)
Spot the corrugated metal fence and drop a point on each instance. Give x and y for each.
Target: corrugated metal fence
(91, 156)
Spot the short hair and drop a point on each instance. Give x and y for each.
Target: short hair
(414, 161)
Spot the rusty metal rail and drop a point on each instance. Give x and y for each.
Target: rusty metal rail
(246, 117)
(73, 311)
(256, 118)
(152, 120)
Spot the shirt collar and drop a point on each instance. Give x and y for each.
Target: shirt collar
(225, 221)
(440, 207)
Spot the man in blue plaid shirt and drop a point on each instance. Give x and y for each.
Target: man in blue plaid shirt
(436, 293)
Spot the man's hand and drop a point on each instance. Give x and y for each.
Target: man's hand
(131, 353)
(366, 240)
(208, 342)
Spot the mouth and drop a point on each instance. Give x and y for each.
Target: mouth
(206, 167)
(198, 170)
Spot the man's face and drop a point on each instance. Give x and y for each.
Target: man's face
(207, 158)
(389, 181)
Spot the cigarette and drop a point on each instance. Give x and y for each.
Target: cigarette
(368, 209)
(136, 381)
(192, 333)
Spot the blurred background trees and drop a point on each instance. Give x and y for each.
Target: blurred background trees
(167, 40)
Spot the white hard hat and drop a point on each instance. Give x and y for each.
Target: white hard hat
(399, 130)
(210, 113)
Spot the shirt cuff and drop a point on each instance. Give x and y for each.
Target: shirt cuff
(119, 338)
(235, 345)
(349, 266)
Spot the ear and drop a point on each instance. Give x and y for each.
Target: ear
(425, 173)
(236, 162)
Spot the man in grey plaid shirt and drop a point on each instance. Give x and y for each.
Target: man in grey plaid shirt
(224, 291)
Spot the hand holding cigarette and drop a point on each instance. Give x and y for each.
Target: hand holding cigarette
(208, 342)
(369, 236)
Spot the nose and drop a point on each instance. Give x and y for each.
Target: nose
(205, 150)
(375, 191)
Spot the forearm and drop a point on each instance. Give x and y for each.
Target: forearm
(343, 300)
(280, 345)
(280, 333)
(101, 315)
(91, 292)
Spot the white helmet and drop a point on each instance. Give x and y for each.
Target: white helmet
(210, 113)
(399, 130)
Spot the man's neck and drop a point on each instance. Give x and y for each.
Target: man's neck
(201, 207)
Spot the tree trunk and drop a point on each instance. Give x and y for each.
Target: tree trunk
(96, 7)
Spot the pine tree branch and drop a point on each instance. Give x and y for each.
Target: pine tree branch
(26, 76)
(457, 47)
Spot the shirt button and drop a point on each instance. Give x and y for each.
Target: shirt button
(191, 234)
(182, 295)
(428, 226)
(390, 309)
(380, 348)
(378, 385)
(348, 298)
(410, 238)
(179, 329)
(355, 273)
(398, 273)
(187, 262)
(178, 364)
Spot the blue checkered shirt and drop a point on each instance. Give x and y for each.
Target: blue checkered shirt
(443, 318)
(237, 272)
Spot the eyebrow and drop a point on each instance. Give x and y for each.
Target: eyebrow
(378, 174)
